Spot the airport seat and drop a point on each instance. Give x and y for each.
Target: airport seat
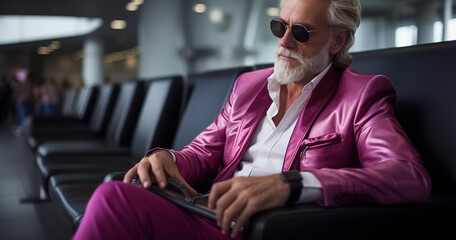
(209, 94)
(96, 127)
(71, 191)
(77, 112)
(116, 141)
(155, 126)
(67, 106)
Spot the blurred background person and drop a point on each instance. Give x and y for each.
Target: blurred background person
(22, 96)
(36, 103)
(49, 97)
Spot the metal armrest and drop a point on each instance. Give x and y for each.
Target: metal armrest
(114, 176)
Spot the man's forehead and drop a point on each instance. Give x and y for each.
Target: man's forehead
(305, 11)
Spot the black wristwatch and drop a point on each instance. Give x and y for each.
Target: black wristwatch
(293, 178)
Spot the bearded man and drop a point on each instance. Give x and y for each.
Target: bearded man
(311, 129)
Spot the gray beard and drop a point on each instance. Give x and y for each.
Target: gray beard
(285, 73)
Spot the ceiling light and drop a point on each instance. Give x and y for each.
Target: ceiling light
(138, 2)
(44, 50)
(132, 6)
(54, 45)
(199, 8)
(216, 16)
(118, 24)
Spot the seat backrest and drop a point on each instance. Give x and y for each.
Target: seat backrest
(209, 95)
(125, 113)
(68, 106)
(85, 102)
(262, 66)
(103, 108)
(424, 77)
(159, 116)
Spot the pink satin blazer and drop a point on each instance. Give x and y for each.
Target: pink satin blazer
(347, 136)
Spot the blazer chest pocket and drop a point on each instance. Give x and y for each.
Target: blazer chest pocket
(321, 142)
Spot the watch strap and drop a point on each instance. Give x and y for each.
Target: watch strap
(293, 178)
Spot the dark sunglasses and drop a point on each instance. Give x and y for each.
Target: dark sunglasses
(299, 32)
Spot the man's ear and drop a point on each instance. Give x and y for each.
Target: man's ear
(338, 42)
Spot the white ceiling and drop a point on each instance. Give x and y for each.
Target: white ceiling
(109, 10)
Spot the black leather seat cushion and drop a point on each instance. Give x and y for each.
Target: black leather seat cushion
(49, 166)
(72, 200)
(55, 149)
(77, 178)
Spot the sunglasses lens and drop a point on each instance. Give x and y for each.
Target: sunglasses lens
(278, 28)
(300, 33)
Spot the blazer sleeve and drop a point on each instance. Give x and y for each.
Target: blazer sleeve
(391, 171)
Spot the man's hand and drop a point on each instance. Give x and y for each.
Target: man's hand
(160, 164)
(242, 197)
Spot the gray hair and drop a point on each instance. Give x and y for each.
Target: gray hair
(344, 15)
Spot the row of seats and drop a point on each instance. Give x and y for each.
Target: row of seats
(74, 153)
(132, 117)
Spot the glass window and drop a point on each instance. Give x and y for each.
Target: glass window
(438, 30)
(406, 36)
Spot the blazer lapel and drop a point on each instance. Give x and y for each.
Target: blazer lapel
(255, 112)
(252, 117)
(319, 98)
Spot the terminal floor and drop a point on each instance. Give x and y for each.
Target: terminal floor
(19, 180)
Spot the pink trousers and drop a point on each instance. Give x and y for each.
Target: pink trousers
(125, 211)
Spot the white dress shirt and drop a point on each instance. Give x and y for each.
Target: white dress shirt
(267, 149)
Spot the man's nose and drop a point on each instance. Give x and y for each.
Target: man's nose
(287, 41)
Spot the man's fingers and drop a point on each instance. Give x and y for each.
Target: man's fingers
(235, 208)
(217, 190)
(220, 199)
(158, 165)
(130, 175)
(143, 173)
(240, 221)
(159, 173)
